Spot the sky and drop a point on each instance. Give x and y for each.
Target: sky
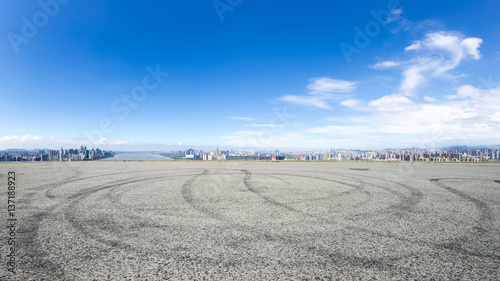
(167, 75)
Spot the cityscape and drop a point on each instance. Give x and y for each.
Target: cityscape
(453, 154)
(41, 155)
(456, 154)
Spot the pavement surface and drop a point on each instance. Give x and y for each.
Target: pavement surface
(252, 221)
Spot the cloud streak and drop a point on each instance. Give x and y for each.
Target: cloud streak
(32, 142)
(267, 125)
(240, 118)
(471, 116)
(436, 55)
(385, 65)
(322, 92)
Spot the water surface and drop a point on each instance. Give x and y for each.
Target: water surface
(137, 156)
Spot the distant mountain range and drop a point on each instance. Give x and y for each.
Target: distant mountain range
(471, 147)
(446, 147)
(23, 150)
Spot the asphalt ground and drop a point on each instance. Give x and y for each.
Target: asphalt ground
(252, 221)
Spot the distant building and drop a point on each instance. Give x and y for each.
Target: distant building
(246, 157)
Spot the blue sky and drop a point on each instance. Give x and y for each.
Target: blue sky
(130, 75)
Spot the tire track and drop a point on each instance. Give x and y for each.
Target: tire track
(406, 204)
(250, 186)
(336, 257)
(194, 260)
(35, 257)
(190, 197)
(29, 230)
(486, 214)
(69, 212)
(355, 187)
(73, 219)
(49, 192)
(330, 194)
(432, 245)
(485, 220)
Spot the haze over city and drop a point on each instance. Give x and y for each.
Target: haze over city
(280, 75)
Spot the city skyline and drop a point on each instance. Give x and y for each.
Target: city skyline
(454, 154)
(249, 75)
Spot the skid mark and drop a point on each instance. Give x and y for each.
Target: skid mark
(486, 215)
(416, 198)
(335, 256)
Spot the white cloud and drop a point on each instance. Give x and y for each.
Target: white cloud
(249, 133)
(240, 118)
(399, 21)
(32, 142)
(313, 101)
(25, 138)
(470, 92)
(105, 141)
(415, 46)
(340, 130)
(350, 103)
(394, 102)
(397, 12)
(412, 77)
(472, 46)
(329, 85)
(264, 139)
(467, 91)
(430, 99)
(496, 117)
(472, 117)
(385, 65)
(26, 141)
(323, 91)
(267, 125)
(355, 104)
(434, 57)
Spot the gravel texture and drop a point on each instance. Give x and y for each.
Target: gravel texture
(253, 221)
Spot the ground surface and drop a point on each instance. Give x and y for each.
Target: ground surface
(254, 221)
